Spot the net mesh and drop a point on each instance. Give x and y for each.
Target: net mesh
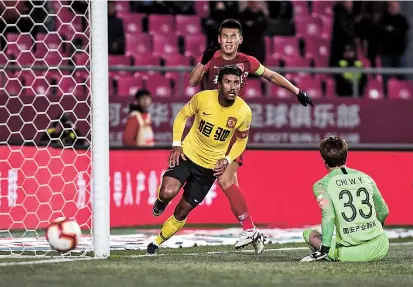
(45, 124)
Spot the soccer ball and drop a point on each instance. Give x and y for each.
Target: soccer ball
(63, 234)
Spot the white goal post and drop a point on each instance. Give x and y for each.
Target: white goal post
(54, 82)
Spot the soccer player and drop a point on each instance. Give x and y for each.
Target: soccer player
(349, 200)
(200, 158)
(230, 37)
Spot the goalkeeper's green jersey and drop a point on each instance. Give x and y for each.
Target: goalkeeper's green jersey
(350, 201)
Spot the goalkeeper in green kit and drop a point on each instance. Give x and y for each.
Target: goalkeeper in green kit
(349, 200)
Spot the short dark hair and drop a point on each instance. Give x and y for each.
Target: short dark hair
(142, 92)
(231, 24)
(229, 70)
(333, 150)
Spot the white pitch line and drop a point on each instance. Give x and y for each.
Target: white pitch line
(218, 252)
(46, 261)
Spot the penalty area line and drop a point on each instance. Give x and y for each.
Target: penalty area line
(47, 261)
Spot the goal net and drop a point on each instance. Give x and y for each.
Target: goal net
(47, 144)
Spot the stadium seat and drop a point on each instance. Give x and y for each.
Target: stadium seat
(119, 60)
(319, 50)
(323, 7)
(18, 42)
(400, 89)
(163, 44)
(65, 15)
(158, 85)
(66, 85)
(3, 58)
(330, 86)
(122, 7)
(188, 90)
(281, 93)
(50, 41)
(25, 58)
(253, 89)
(132, 23)
(141, 43)
(300, 8)
(195, 45)
(146, 60)
(27, 77)
(327, 27)
(202, 8)
(128, 86)
(82, 59)
(41, 87)
(295, 61)
(188, 25)
(312, 85)
(271, 61)
(176, 60)
(308, 27)
(161, 24)
(13, 87)
(285, 46)
(374, 89)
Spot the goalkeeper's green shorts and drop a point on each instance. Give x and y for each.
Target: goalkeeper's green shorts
(374, 249)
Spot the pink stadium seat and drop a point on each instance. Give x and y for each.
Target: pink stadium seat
(285, 46)
(300, 8)
(308, 26)
(400, 89)
(281, 93)
(202, 8)
(82, 59)
(188, 90)
(296, 61)
(176, 60)
(45, 42)
(161, 24)
(271, 61)
(158, 85)
(3, 58)
(188, 25)
(146, 60)
(26, 58)
(13, 87)
(41, 87)
(163, 44)
(141, 43)
(374, 89)
(119, 60)
(66, 85)
(267, 41)
(54, 58)
(128, 86)
(122, 6)
(330, 87)
(18, 42)
(26, 77)
(327, 26)
(65, 15)
(318, 49)
(132, 22)
(253, 89)
(312, 85)
(323, 7)
(195, 45)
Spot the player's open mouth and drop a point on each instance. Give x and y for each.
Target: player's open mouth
(232, 94)
(228, 47)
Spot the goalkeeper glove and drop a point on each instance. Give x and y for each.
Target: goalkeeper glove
(304, 98)
(209, 53)
(318, 255)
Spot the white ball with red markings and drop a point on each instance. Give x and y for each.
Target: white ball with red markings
(63, 234)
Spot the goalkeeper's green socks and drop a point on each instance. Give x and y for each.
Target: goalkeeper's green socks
(169, 228)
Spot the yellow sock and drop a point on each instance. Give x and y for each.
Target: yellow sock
(169, 228)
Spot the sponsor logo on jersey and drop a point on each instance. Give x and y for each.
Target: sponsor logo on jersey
(241, 66)
(231, 122)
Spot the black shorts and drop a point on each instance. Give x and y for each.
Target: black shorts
(197, 179)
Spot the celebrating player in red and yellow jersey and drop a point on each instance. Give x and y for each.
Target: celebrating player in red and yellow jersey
(230, 37)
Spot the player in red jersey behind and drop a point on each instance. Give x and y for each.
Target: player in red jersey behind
(214, 57)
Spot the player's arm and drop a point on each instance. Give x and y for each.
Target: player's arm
(328, 213)
(279, 80)
(380, 205)
(199, 70)
(189, 110)
(241, 138)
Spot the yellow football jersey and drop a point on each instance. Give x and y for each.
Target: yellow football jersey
(213, 128)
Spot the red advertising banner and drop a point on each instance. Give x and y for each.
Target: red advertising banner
(39, 184)
(274, 120)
